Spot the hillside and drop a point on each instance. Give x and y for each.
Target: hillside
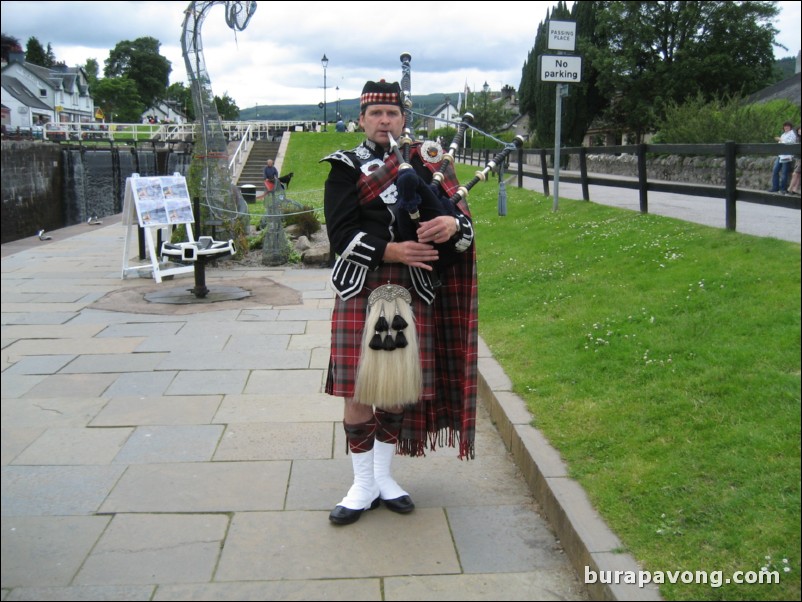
(348, 108)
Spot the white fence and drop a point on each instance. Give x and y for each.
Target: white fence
(161, 132)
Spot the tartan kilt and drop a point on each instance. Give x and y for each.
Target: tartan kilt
(446, 413)
(348, 324)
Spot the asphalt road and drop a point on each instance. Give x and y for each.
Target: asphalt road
(751, 218)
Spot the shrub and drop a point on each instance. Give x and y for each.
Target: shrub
(701, 122)
(306, 219)
(446, 132)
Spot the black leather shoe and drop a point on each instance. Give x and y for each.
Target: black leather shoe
(345, 516)
(402, 505)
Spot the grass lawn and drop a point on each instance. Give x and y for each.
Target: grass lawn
(660, 357)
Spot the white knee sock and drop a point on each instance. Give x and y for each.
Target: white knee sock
(383, 454)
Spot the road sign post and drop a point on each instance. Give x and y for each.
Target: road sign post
(562, 69)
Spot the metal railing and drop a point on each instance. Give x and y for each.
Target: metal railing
(159, 132)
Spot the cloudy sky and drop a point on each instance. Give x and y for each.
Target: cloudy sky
(277, 58)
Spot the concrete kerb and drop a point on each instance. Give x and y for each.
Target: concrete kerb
(282, 151)
(587, 540)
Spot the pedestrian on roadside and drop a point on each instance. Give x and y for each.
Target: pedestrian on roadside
(794, 187)
(782, 165)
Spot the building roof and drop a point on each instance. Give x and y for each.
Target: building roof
(59, 77)
(15, 87)
(787, 89)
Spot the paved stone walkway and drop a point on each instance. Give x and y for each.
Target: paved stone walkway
(169, 452)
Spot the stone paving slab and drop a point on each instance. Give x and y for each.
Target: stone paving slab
(46, 550)
(48, 412)
(56, 490)
(17, 318)
(65, 385)
(79, 593)
(267, 441)
(40, 364)
(175, 443)
(276, 545)
(73, 346)
(319, 589)
(141, 384)
(51, 331)
(287, 382)
(208, 382)
(74, 446)
(151, 549)
(533, 585)
(150, 329)
(502, 539)
(176, 343)
(256, 359)
(14, 440)
(279, 408)
(200, 487)
(157, 410)
(94, 363)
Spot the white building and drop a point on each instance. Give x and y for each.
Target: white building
(165, 111)
(441, 116)
(21, 109)
(59, 94)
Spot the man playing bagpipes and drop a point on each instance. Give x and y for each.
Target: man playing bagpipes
(404, 326)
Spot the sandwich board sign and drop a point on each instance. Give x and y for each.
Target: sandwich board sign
(156, 203)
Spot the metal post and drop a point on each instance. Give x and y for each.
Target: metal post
(558, 111)
(643, 179)
(200, 290)
(325, 62)
(730, 184)
(583, 172)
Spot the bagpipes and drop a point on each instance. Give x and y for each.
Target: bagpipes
(421, 201)
(495, 164)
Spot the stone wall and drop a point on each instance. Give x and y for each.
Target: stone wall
(47, 187)
(751, 172)
(31, 188)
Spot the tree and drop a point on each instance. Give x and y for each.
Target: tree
(8, 44)
(657, 52)
(489, 114)
(92, 69)
(35, 52)
(584, 101)
(141, 63)
(119, 99)
(537, 99)
(226, 107)
(51, 56)
(182, 96)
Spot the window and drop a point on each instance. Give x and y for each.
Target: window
(42, 92)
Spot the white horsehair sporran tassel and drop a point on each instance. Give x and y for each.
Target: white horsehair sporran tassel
(389, 373)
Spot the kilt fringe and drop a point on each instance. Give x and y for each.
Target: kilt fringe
(445, 437)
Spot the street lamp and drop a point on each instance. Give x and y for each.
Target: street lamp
(338, 104)
(486, 90)
(325, 62)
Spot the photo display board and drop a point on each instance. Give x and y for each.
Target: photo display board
(161, 201)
